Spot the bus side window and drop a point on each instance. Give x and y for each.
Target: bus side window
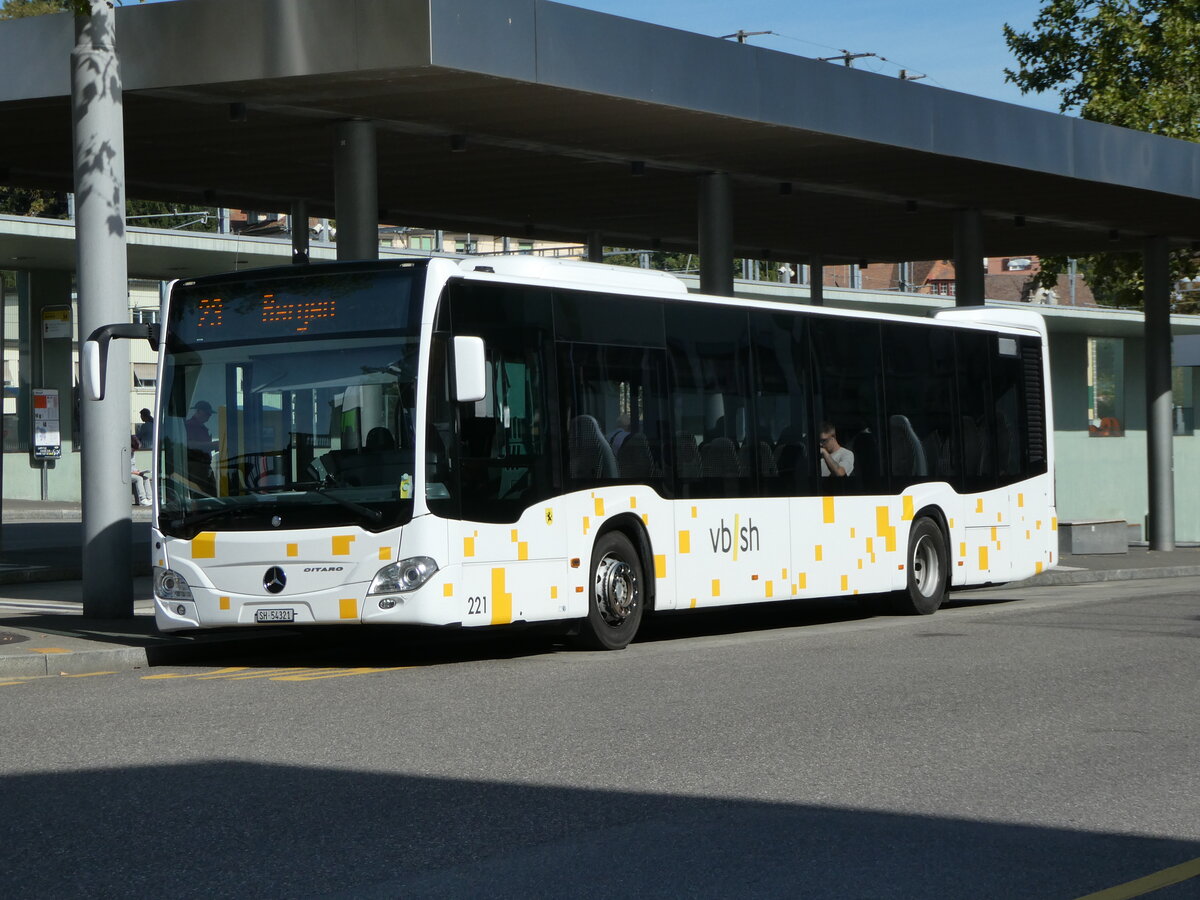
(976, 411)
(614, 406)
(441, 470)
(919, 379)
(847, 393)
(504, 456)
(785, 451)
(709, 349)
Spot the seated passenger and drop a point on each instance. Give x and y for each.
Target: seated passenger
(836, 460)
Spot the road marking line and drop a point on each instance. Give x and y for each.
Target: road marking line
(1152, 882)
(338, 674)
(11, 683)
(269, 673)
(196, 674)
(48, 650)
(86, 674)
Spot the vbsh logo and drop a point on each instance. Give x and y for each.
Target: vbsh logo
(743, 538)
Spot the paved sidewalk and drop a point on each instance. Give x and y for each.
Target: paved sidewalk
(43, 630)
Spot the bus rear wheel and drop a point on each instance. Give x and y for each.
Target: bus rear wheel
(615, 596)
(928, 571)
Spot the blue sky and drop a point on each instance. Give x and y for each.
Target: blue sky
(956, 44)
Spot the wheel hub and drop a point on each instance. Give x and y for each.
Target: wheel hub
(926, 572)
(616, 590)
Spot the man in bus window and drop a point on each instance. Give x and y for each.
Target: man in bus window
(836, 460)
(200, 447)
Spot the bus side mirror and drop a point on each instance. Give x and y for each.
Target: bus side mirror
(93, 370)
(470, 370)
(95, 352)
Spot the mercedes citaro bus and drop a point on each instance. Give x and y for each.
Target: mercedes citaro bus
(502, 440)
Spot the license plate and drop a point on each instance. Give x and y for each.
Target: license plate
(274, 615)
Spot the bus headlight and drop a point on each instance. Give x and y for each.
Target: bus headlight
(405, 575)
(169, 585)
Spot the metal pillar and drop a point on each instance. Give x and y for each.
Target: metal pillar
(816, 280)
(356, 192)
(299, 232)
(103, 299)
(595, 247)
(968, 258)
(716, 234)
(1159, 433)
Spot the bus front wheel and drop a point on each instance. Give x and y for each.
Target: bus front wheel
(928, 570)
(615, 596)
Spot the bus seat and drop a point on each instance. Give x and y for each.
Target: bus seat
(687, 457)
(719, 459)
(908, 456)
(766, 460)
(865, 448)
(590, 454)
(380, 438)
(634, 459)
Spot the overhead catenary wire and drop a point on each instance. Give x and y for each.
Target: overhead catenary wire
(905, 72)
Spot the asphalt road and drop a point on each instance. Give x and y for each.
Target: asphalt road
(1035, 743)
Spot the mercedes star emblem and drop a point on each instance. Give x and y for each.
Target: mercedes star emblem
(274, 580)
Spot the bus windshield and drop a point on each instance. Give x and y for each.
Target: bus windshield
(290, 401)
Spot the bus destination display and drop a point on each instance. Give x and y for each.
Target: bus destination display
(295, 308)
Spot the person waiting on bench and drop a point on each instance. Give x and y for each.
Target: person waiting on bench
(836, 460)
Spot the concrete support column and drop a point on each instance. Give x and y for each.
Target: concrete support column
(816, 280)
(715, 237)
(1159, 433)
(356, 192)
(968, 258)
(299, 232)
(595, 247)
(103, 299)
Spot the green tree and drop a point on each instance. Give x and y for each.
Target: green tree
(19, 9)
(1134, 63)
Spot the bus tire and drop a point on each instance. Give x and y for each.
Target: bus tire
(616, 595)
(928, 571)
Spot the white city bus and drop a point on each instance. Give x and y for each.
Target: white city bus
(509, 440)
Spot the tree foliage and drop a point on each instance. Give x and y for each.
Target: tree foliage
(1134, 63)
(20, 9)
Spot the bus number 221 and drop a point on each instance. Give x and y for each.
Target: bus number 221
(476, 606)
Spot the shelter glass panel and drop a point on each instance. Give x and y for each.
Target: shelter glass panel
(1106, 387)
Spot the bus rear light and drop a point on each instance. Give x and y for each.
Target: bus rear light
(405, 575)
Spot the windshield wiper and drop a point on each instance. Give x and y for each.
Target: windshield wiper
(231, 509)
(322, 490)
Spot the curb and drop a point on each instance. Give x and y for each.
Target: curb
(1052, 578)
(139, 514)
(76, 662)
(39, 574)
(184, 652)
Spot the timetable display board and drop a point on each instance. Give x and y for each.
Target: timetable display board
(47, 439)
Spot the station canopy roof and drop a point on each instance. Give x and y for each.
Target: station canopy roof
(525, 117)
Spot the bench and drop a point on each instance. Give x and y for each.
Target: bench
(1093, 536)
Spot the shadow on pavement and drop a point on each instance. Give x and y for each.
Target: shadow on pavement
(238, 829)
